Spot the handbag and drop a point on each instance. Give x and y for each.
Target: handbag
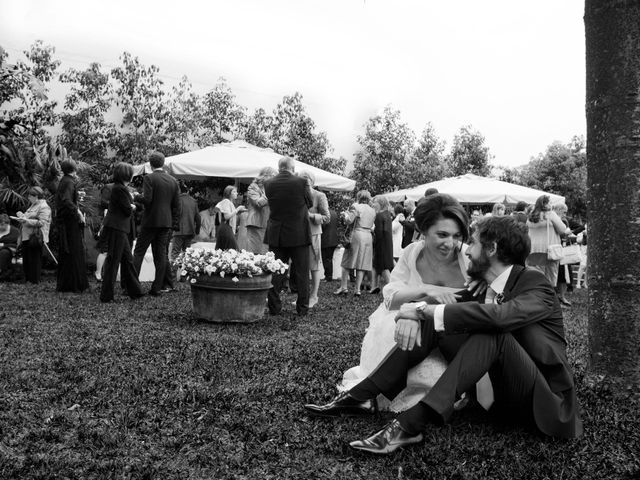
(36, 239)
(345, 236)
(570, 255)
(554, 250)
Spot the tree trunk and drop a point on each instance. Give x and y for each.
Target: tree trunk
(612, 29)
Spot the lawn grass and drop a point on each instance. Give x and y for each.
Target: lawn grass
(141, 389)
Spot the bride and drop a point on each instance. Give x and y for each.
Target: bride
(433, 269)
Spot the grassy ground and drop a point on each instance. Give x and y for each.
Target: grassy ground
(140, 389)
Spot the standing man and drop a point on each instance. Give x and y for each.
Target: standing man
(188, 227)
(318, 216)
(516, 336)
(161, 199)
(288, 234)
(329, 242)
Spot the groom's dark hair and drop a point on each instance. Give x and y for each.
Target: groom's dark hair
(510, 236)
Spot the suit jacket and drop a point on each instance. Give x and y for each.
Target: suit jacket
(289, 201)
(119, 211)
(189, 216)
(161, 199)
(319, 212)
(330, 231)
(531, 313)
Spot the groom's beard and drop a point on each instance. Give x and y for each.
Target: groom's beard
(477, 268)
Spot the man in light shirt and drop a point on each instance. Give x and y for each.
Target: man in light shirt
(515, 335)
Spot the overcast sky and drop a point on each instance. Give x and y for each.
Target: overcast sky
(514, 70)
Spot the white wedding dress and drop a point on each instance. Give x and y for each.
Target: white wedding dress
(378, 339)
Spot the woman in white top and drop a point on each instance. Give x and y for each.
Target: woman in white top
(396, 230)
(545, 228)
(227, 214)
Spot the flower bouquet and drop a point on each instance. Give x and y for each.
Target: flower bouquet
(197, 262)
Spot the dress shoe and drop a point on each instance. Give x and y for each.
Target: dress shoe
(343, 405)
(387, 440)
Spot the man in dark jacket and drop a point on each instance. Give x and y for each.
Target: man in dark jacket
(161, 199)
(288, 234)
(329, 242)
(516, 336)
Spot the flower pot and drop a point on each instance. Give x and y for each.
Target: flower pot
(220, 299)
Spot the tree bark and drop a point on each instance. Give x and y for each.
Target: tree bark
(612, 30)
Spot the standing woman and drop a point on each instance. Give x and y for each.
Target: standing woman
(118, 234)
(226, 231)
(37, 216)
(396, 230)
(72, 268)
(258, 211)
(382, 244)
(545, 228)
(359, 255)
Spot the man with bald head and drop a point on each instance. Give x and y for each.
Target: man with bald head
(288, 234)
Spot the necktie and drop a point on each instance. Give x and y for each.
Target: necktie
(484, 389)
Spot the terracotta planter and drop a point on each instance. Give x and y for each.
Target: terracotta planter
(218, 299)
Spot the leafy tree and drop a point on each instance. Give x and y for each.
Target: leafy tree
(184, 118)
(85, 131)
(385, 148)
(222, 117)
(256, 129)
(293, 132)
(469, 154)
(24, 141)
(612, 31)
(562, 169)
(140, 96)
(427, 163)
(25, 85)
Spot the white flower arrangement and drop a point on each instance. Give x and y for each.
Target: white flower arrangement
(195, 262)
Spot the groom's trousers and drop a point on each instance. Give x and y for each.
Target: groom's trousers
(511, 369)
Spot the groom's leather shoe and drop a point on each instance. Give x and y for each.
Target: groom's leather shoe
(343, 405)
(387, 440)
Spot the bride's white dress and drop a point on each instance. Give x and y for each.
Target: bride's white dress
(378, 339)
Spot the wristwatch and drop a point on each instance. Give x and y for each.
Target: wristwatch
(420, 308)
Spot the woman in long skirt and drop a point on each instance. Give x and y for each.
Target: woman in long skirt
(72, 268)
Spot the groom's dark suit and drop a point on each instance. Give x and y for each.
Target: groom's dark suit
(520, 342)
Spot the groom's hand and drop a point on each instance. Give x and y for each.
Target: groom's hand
(408, 333)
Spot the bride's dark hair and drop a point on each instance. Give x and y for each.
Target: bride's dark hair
(440, 205)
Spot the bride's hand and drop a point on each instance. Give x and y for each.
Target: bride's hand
(477, 287)
(440, 298)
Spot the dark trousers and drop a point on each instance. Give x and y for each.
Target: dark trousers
(327, 262)
(119, 255)
(300, 257)
(511, 369)
(31, 262)
(5, 260)
(158, 238)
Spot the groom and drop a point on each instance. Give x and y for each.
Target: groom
(516, 336)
